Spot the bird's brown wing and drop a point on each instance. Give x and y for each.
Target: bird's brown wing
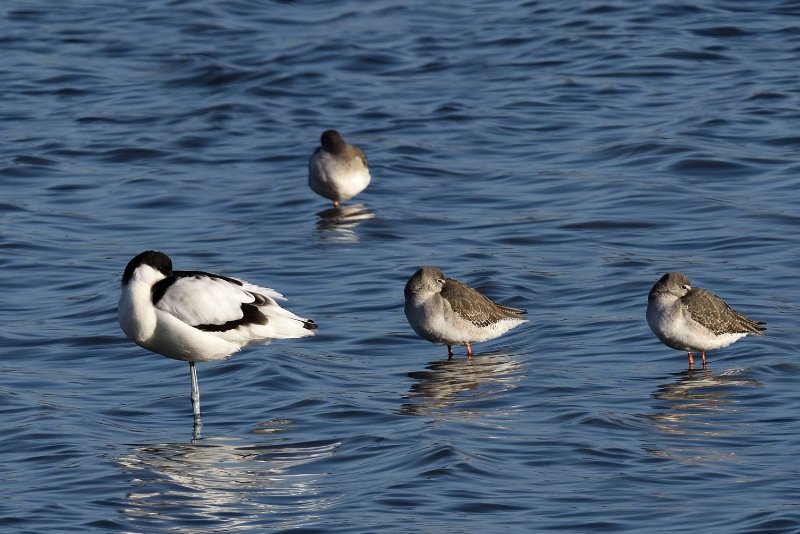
(715, 314)
(362, 156)
(473, 306)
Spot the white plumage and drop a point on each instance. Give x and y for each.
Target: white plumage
(197, 316)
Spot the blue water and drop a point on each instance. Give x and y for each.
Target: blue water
(560, 156)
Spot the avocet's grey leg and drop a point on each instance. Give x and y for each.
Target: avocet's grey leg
(195, 394)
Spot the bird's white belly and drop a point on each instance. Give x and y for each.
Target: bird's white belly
(676, 329)
(442, 325)
(337, 181)
(175, 339)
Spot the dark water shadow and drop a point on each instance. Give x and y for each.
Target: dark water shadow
(225, 482)
(339, 224)
(448, 383)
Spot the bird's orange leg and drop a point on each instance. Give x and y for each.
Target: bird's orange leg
(691, 360)
(336, 204)
(703, 354)
(469, 352)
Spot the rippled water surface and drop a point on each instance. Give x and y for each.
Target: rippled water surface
(560, 156)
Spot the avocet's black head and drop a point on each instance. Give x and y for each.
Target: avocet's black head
(153, 258)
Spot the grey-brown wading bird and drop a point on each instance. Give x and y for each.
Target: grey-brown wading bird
(196, 316)
(693, 319)
(446, 311)
(337, 170)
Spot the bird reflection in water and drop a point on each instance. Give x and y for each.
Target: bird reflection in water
(339, 224)
(697, 413)
(446, 383)
(224, 484)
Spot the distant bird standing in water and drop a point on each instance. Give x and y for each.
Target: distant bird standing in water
(693, 319)
(446, 311)
(196, 316)
(337, 170)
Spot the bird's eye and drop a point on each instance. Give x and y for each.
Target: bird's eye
(440, 281)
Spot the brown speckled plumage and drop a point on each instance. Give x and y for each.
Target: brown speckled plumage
(470, 304)
(443, 310)
(715, 314)
(694, 319)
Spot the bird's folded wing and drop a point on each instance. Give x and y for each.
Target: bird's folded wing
(470, 304)
(200, 299)
(715, 314)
